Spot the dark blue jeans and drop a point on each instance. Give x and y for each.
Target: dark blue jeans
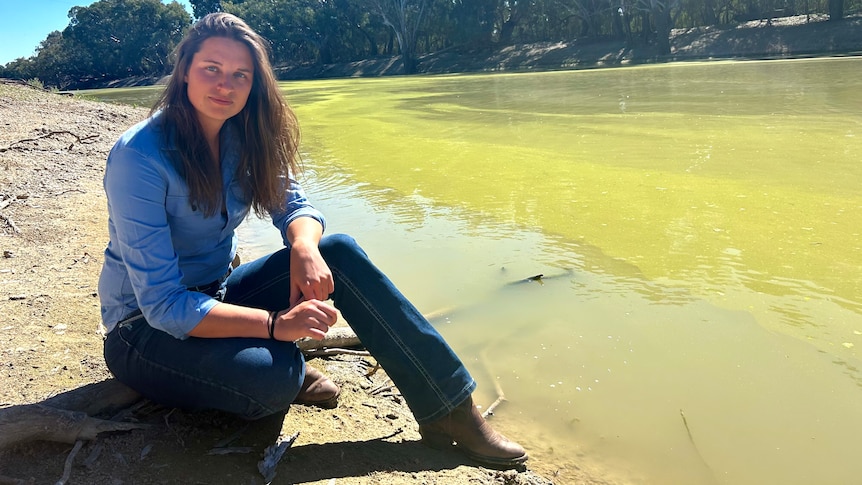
(257, 377)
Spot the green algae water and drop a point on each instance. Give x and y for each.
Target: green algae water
(697, 227)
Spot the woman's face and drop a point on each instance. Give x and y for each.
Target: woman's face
(218, 81)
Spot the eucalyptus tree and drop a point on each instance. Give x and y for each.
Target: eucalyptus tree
(462, 23)
(308, 31)
(110, 39)
(201, 8)
(124, 38)
(405, 18)
(836, 10)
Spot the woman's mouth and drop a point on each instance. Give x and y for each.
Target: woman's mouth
(221, 101)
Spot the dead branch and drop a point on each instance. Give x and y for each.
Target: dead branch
(65, 418)
(341, 337)
(329, 352)
(78, 139)
(32, 422)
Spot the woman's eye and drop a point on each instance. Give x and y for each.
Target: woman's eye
(241, 75)
(211, 68)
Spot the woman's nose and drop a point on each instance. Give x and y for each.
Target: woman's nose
(226, 83)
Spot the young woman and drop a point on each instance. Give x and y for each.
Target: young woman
(187, 330)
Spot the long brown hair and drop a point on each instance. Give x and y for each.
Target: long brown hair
(269, 131)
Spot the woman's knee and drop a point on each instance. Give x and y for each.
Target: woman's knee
(337, 248)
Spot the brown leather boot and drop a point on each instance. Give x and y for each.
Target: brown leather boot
(473, 436)
(317, 390)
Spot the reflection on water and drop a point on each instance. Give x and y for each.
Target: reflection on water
(698, 229)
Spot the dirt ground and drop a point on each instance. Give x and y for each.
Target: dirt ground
(52, 235)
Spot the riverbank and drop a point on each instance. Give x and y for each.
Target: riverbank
(53, 229)
(797, 36)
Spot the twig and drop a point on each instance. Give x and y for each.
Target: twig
(696, 449)
(501, 396)
(230, 450)
(230, 439)
(391, 435)
(67, 468)
(493, 407)
(687, 430)
(10, 223)
(93, 456)
(69, 190)
(373, 370)
(380, 389)
(328, 352)
(78, 139)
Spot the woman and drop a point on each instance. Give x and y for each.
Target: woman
(186, 330)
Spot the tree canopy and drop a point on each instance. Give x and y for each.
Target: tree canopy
(115, 39)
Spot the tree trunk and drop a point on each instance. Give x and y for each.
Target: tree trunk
(836, 10)
(662, 26)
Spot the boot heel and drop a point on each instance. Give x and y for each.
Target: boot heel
(436, 440)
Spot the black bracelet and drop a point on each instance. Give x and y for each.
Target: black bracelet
(271, 325)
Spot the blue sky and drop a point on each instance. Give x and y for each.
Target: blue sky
(26, 23)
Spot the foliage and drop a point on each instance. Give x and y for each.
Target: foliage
(110, 39)
(114, 39)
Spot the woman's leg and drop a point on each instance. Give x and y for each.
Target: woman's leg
(249, 377)
(429, 375)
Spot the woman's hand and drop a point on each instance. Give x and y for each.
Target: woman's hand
(310, 276)
(310, 318)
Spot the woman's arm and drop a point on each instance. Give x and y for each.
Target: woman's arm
(310, 283)
(310, 277)
(310, 318)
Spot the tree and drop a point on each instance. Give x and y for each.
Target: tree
(113, 39)
(404, 17)
(836, 10)
(200, 8)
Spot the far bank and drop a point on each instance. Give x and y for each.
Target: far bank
(788, 37)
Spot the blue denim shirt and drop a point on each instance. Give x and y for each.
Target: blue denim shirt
(159, 243)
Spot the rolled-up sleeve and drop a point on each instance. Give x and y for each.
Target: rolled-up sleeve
(137, 191)
(296, 206)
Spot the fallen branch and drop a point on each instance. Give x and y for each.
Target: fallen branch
(340, 337)
(39, 422)
(65, 418)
